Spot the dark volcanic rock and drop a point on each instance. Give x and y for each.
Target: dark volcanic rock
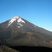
(20, 32)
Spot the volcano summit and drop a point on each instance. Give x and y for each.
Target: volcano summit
(19, 32)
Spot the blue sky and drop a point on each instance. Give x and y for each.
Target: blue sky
(38, 12)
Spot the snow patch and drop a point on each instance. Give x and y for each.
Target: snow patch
(20, 20)
(17, 19)
(18, 26)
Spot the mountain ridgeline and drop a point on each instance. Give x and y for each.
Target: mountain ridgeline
(19, 32)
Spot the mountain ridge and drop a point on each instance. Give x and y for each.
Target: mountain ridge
(27, 34)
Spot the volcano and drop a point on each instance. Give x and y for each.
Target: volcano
(20, 32)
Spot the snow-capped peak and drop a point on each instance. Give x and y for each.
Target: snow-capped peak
(17, 19)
